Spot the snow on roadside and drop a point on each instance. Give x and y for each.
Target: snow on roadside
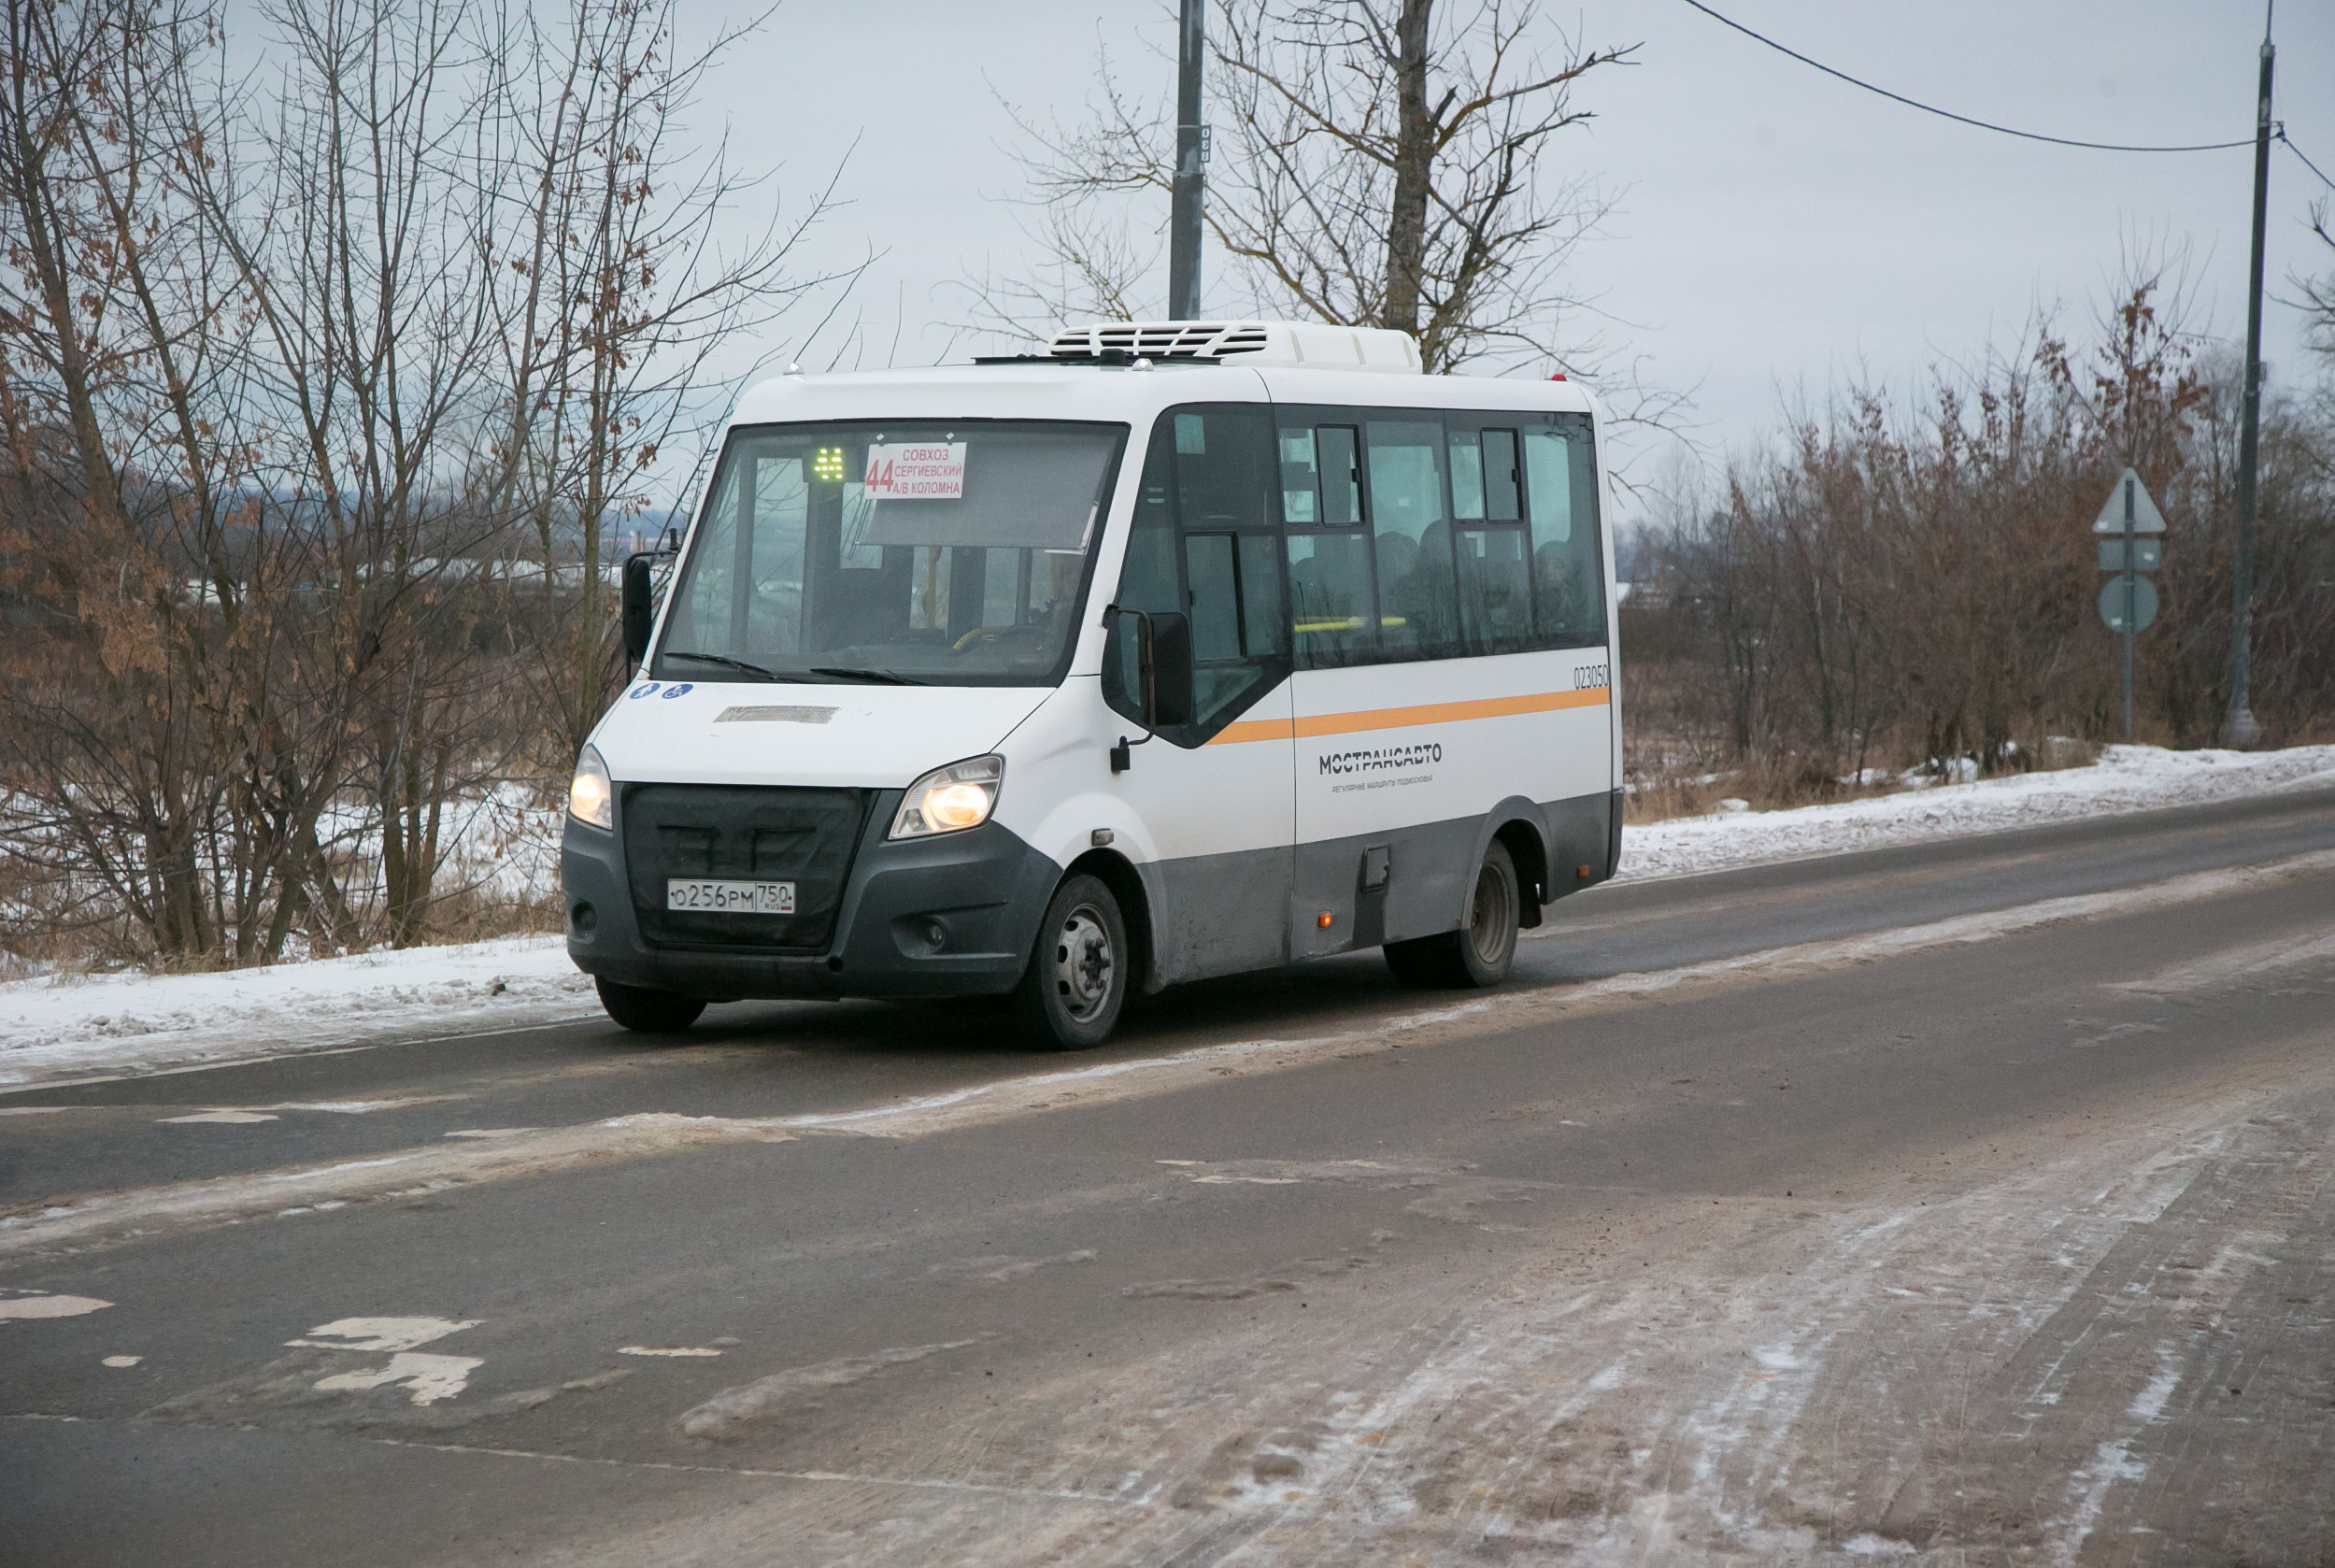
(2126, 778)
(72, 1026)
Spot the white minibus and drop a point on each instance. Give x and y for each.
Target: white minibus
(1182, 649)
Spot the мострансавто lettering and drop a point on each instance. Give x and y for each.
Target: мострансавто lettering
(1419, 756)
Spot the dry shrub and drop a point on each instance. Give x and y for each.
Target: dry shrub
(1901, 588)
(320, 384)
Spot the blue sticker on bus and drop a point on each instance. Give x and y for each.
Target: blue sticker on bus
(673, 691)
(642, 690)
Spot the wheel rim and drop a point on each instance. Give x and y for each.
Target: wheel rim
(1488, 921)
(1083, 964)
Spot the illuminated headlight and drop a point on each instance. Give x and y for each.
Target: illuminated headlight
(590, 798)
(950, 799)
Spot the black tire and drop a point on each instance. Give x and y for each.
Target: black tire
(1480, 953)
(1071, 995)
(648, 1012)
(1423, 963)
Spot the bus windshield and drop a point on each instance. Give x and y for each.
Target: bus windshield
(914, 553)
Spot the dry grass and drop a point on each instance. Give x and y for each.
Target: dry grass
(481, 916)
(1676, 769)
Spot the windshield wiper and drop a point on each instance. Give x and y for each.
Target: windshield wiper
(881, 678)
(725, 658)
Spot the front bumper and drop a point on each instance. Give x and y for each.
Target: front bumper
(951, 915)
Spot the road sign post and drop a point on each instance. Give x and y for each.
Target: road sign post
(2130, 484)
(2128, 602)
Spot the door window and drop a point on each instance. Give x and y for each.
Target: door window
(1204, 543)
(1332, 599)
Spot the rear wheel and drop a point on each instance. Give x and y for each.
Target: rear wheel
(1071, 995)
(1480, 953)
(647, 1011)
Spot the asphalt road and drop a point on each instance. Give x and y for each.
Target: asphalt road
(1967, 1201)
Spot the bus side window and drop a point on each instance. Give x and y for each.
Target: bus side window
(1417, 608)
(1568, 566)
(1501, 479)
(1467, 475)
(1495, 577)
(1331, 600)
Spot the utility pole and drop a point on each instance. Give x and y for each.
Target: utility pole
(2238, 728)
(1184, 210)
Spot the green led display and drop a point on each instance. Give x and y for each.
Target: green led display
(828, 464)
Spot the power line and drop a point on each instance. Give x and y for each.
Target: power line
(1964, 119)
(2306, 162)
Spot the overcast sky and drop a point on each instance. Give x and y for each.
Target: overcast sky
(1776, 231)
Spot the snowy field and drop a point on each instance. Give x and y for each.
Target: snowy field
(72, 1026)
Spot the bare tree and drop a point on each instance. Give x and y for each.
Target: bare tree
(1389, 163)
(298, 360)
(1916, 584)
(2318, 292)
(136, 699)
(615, 292)
(351, 233)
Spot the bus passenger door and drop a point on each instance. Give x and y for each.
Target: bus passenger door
(1388, 793)
(1215, 794)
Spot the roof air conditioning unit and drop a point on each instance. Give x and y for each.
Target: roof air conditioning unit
(1308, 344)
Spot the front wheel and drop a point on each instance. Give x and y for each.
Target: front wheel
(1479, 955)
(646, 1011)
(1069, 996)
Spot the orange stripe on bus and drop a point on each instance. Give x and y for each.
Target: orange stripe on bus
(1394, 718)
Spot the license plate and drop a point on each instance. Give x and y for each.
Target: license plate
(710, 896)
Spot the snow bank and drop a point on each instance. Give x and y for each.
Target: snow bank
(134, 1023)
(2126, 778)
(131, 1023)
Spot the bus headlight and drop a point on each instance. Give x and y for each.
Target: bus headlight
(591, 797)
(951, 799)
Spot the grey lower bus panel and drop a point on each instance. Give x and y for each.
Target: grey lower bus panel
(1228, 914)
(1217, 915)
(984, 892)
(1415, 881)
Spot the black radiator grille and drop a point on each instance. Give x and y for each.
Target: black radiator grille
(804, 836)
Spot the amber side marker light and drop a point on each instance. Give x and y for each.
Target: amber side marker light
(1581, 873)
(1325, 919)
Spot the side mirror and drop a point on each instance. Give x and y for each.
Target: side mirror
(640, 609)
(1167, 671)
(1161, 679)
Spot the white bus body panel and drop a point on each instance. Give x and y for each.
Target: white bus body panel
(1407, 760)
(847, 736)
(1209, 831)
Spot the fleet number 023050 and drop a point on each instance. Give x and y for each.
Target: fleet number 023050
(707, 895)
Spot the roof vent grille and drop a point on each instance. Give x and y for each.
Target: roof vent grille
(1312, 344)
